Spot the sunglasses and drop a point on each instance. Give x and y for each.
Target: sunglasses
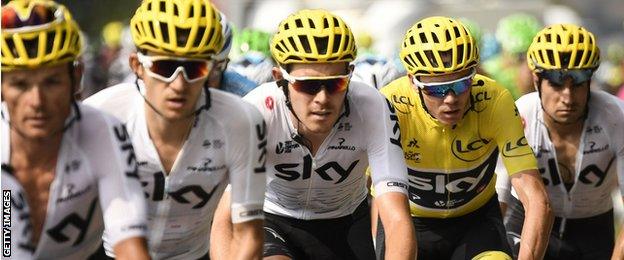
(441, 89)
(166, 68)
(557, 77)
(39, 16)
(313, 85)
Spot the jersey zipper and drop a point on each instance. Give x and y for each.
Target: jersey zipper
(319, 151)
(447, 164)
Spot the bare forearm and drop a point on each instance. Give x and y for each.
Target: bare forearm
(400, 239)
(536, 230)
(131, 248)
(538, 218)
(221, 233)
(247, 241)
(618, 250)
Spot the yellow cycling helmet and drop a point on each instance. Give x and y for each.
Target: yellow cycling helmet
(563, 46)
(310, 36)
(111, 33)
(38, 33)
(430, 39)
(188, 28)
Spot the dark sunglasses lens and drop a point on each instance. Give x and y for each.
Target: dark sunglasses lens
(40, 15)
(558, 77)
(441, 90)
(196, 69)
(310, 87)
(166, 68)
(314, 86)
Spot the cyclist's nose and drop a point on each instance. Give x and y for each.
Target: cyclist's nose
(179, 82)
(450, 97)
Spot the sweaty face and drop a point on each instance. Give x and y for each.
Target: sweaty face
(448, 109)
(564, 103)
(318, 112)
(175, 100)
(38, 100)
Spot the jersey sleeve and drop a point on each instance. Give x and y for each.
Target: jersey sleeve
(515, 151)
(120, 193)
(385, 155)
(618, 142)
(247, 164)
(503, 183)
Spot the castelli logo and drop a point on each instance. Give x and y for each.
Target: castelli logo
(269, 103)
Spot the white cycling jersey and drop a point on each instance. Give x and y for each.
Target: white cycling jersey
(599, 160)
(332, 183)
(226, 145)
(95, 184)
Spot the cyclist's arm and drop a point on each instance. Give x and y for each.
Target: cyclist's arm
(120, 192)
(247, 171)
(538, 219)
(131, 248)
(521, 164)
(221, 232)
(618, 250)
(389, 178)
(618, 145)
(399, 231)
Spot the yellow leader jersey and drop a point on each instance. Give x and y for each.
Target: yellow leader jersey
(451, 168)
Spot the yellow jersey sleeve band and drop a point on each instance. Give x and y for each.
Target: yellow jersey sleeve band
(451, 168)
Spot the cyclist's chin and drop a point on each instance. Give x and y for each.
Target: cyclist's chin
(171, 114)
(317, 126)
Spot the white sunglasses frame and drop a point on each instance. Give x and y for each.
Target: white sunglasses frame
(292, 79)
(422, 85)
(147, 62)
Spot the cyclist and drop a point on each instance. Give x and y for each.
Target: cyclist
(191, 140)
(514, 33)
(454, 123)
(374, 70)
(252, 58)
(68, 169)
(323, 131)
(220, 76)
(576, 134)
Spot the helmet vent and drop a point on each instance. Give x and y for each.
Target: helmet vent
(198, 38)
(325, 23)
(435, 38)
(311, 23)
(579, 56)
(299, 23)
(165, 32)
(31, 47)
(50, 40)
(304, 42)
(175, 10)
(162, 7)
(337, 40)
(551, 56)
